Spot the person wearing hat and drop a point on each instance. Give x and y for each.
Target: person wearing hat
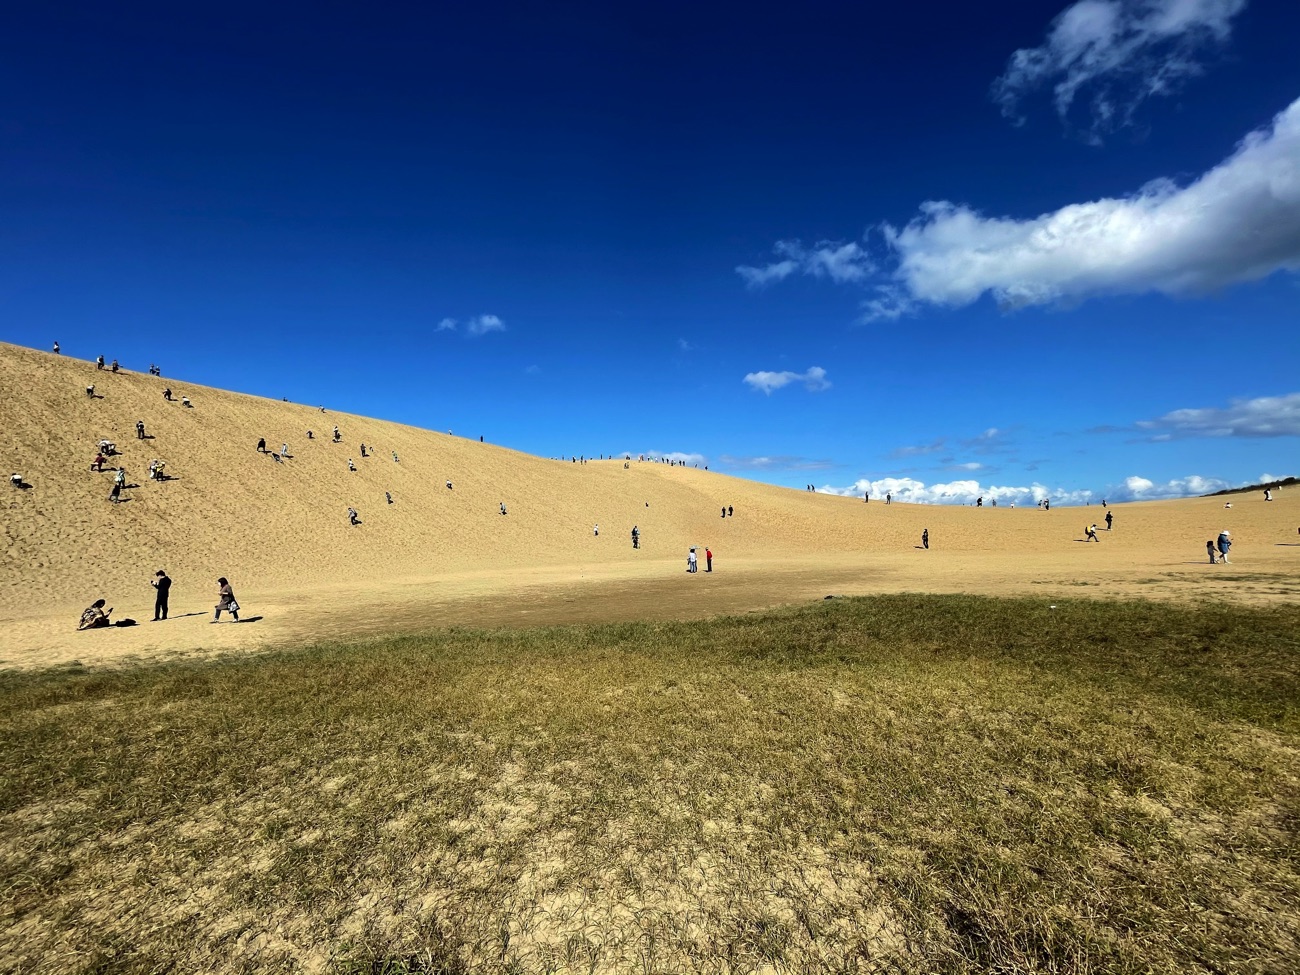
(1225, 543)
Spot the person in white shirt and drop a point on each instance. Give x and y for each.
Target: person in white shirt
(691, 562)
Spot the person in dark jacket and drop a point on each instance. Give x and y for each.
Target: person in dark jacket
(163, 584)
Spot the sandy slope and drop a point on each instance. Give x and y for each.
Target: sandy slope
(280, 532)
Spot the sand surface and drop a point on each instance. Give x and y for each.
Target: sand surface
(439, 557)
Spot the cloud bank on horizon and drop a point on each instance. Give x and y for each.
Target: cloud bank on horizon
(1134, 488)
(1119, 53)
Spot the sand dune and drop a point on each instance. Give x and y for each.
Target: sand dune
(279, 531)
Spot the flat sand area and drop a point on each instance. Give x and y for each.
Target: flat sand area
(440, 556)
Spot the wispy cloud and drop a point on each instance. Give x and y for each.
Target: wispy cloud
(1238, 222)
(685, 346)
(781, 462)
(814, 380)
(838, 261)
(482, 324)
(1265, 416)
(478, 325)
(1117, 54)
(919, 450)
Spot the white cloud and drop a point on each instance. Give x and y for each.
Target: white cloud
(841, 262)
(1265, 416)
(533, 370)
(919, 449)
(814, 380)
(482, 324)
(1238, 222)
(446, 325)
(1118, 52)
(685, 346)
(912, 491)
(1134, 488)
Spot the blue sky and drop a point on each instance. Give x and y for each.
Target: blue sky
(1016, 250)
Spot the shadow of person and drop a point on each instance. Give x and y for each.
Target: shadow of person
(249, 619)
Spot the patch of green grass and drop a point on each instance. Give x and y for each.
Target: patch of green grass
(903, 784)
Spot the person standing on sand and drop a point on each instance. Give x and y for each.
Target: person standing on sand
(925, 538)
(163, 584)
(596, 531)
(636, 537)
(261, 445)
(731, 512)
(724, 511)
(708, 559)
(57, 350)
(1225, 543)
(691, 562)
(1109, 518)
(1268, 494)
(1209, 550)
(99, 363)
(889, 499)
(225, 601)
(352, 517)
(1090, 533)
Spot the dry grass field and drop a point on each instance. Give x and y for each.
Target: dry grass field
(451, 741)
(279, 531)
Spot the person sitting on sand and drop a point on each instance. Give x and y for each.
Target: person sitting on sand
(449, 485)
(16, 480)
(167, 394)
(95, 616)
(185, 401)
(337, 435)
(115, 367)
(310, 435)
(225, 601)
(1091, 532)
(395, 460)
(90, 391)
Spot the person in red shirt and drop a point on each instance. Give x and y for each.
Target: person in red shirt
(708, 560)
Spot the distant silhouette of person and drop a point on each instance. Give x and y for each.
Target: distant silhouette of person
(115, 495)
(866, 497)
(167, 394)
(636, 537)
(226, 601)
(503, 507)
(352, 517)
(596, 531)
(395, 460)
(163, 586)
(1224, 543)
(114, 366)
(310, 435)
(730, 510)
(449, 485)
(724, 511)
(57, 350)
(284, 450)
(708, 559)
(261, 445)
(16, 480)
(1209, 550)
(388, 497)
(979, 502)
(185, 401)
(1103, 502)
(889, 499)
(1047, 504)
(90, 390)
(94, 616)
(925, 538)
(337, 435)
(99, 363)
(1109, 518)
(1268, 494)
(351, 466)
